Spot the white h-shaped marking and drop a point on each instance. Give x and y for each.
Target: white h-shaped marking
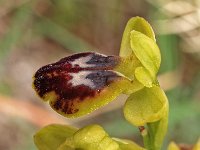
(80, 78)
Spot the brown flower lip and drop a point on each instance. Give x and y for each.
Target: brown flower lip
(75, 78)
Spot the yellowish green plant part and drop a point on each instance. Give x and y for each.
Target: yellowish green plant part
(79, 84)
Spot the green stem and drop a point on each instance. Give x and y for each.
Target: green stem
(154, 133)
(147, 142)
(146, 138)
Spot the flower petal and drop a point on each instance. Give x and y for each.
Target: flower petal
(147, 51)
(138, 24)
(145, 106)
(81, 83)
(143, 76)
(94, 137)
(52, 136)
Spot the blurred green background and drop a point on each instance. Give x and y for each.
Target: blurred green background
(37, 32)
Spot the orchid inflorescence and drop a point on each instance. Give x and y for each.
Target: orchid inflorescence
(81, 83)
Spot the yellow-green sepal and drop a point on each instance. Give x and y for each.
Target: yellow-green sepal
(149, 108)
(94, 137)
(145, 106)
(144, 77)
(52, 136)
(148, 53)
(138, 24)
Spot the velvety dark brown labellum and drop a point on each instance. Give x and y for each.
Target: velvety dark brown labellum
(75, 78)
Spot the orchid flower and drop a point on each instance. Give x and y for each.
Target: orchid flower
(91, 137)
(81, 83)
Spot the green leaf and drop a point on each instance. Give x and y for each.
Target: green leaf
(52, 136)
(127, 144)
(145, 106)
(147, 51)
(94, 137)
(138, 24)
